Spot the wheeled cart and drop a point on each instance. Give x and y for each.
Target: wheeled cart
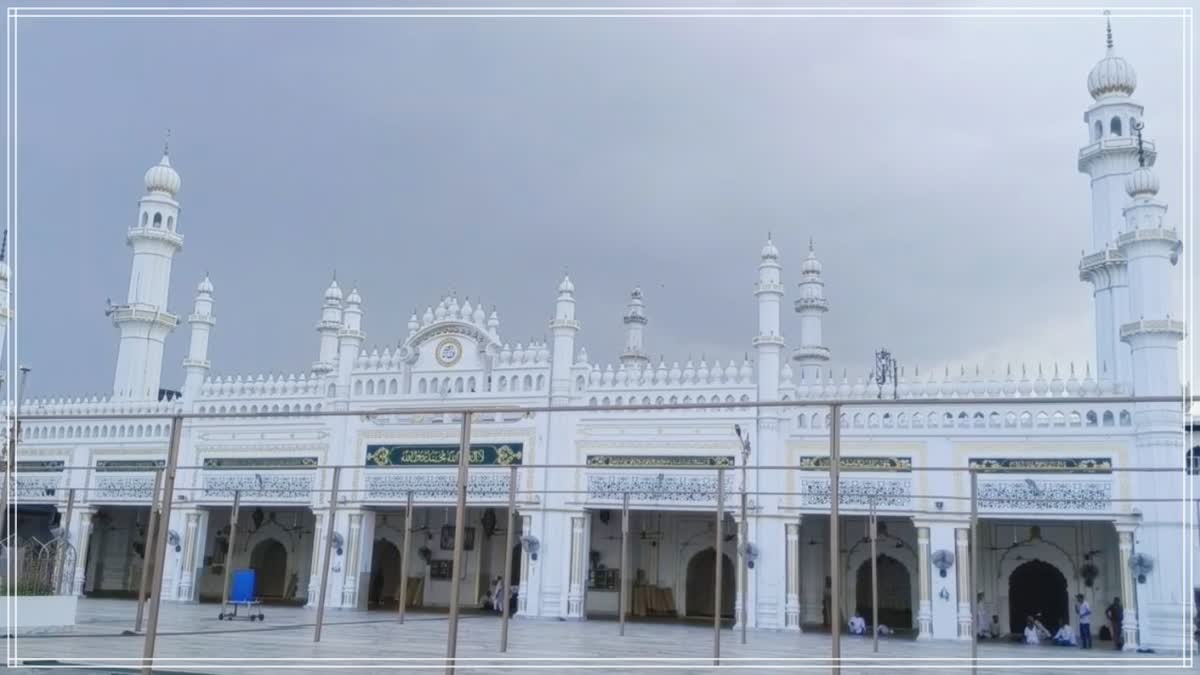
(242, 594)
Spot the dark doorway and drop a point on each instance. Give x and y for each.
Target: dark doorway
(385, 573)
(269, 562)
(514, 578)
(701, 573)
(895, 592)
(1035, 588)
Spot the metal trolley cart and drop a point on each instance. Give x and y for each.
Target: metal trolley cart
(241, 594)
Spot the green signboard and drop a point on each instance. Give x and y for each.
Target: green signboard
(482, 454)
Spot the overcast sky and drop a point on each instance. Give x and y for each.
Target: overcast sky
(933, 161)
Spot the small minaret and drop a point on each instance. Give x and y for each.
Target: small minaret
(350, 339)
(564, 328)
(5, 306)
(327, 328)
(1108, 159)
(143, 320)
(196, 364)
(811, 355)
(768, 344)
(1151, 249)
(635, 324)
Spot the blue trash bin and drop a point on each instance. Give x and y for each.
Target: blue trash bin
(243, 586)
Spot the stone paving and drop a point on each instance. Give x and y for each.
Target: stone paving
(191, 639)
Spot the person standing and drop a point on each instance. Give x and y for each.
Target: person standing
(1116, 614)
(982, 612)
(1084, 611)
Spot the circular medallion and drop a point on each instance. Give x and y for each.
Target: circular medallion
(448, 352)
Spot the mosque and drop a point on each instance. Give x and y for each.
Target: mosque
(1076, 525)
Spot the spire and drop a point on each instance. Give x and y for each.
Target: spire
(167, 143)
(1108, 29)
(810, 244)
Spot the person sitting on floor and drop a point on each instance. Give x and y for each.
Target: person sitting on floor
(858, 626)
(884, 630)
(1043, 633)
(1031, 633)
(1065, 637)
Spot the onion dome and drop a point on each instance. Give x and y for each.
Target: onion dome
(333, 293)
(769, 251)
(810, 265)
(1141, 182)
(1112, 76)
(205, 286)
(354, 298)
(566, 286)
(162, 178)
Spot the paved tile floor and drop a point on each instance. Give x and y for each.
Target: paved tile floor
(191, 639)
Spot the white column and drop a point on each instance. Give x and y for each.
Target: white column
(527, 597)
(353, 553)
(318, 548)
(962, 563)
(1129, 625)
(792, 582)
(577, 589)
(195, 525)
(925, 609)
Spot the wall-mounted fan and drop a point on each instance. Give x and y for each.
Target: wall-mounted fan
(943, 560)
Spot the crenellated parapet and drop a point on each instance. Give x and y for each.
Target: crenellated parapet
(1055, 382)
(264, 386)
(718, 381)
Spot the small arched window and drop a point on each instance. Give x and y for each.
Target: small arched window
(458, 385)
(358, 388)
(541, 382)
(1097, 131)
(422, 386)
(158, 219)
(1108, 418)
(393, 386)
(171, 223)
(1115, 128)
(145, 218)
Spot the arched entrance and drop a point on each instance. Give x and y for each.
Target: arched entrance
(269, 562)
(894, 588)
(1037, 587)
(385, 573)
(701, 572)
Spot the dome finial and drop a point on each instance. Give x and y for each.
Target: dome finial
(1108, 29)
(810, 244)
(167, 143)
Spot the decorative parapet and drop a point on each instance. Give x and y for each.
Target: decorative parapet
(630, 377)
(811, 303)
(1043, 495)
(143, 313)
(1126, 146)
(271, 386)
(1166, 327)
(1093, 267)
(1054, 382)
(810, 352)
(882, 492)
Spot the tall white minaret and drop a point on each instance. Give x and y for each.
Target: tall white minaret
(350, 339)
(768, 344)
(327, 328)
(143, 320)
(635, 324)
(5, 307)
(811, 355)
(1108, 158)
(196, 364)
(564, 328)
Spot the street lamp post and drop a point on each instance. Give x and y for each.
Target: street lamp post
(743, 574)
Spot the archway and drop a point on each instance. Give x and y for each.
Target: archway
(385, 573)
(269, 562)
(894, 588)
(701, 572)
(1037, 587)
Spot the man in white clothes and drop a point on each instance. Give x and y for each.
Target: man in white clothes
(858, 626)
(982, 615)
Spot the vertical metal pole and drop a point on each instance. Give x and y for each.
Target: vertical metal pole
(972, 570)
(160, 543)
(408, 532)
(149, 561)
(717, 581)
(506, 591)
(460, 522)
(835, 562)
(233, 525)
(330, 531)
(65, 524)
(872, 521)
(743, 569)
(624, 580)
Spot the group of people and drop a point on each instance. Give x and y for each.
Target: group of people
(858, 626)
(1035, 632)
(493, 600)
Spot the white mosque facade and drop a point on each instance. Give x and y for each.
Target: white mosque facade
(1074, 526)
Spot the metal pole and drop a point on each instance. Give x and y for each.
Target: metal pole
(971, 569)
(873, 523)
(233, 525)
(718, 565)
(743, 570)
(329, 532)
(506, 592)
(149, 561)
(160, 543)
(624, 580)
(460, 523)
(408, 531)
(835, 562)
(65, 522)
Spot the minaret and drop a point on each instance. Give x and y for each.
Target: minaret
(328, 327)
(564, 328)
(143, 320)
(811, 355)
(5, 307)
(196, 364)
(1108, 158)
(768, 344)
(635, 324)
(350, 339)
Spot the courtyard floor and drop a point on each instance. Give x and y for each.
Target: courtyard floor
(191, 639)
